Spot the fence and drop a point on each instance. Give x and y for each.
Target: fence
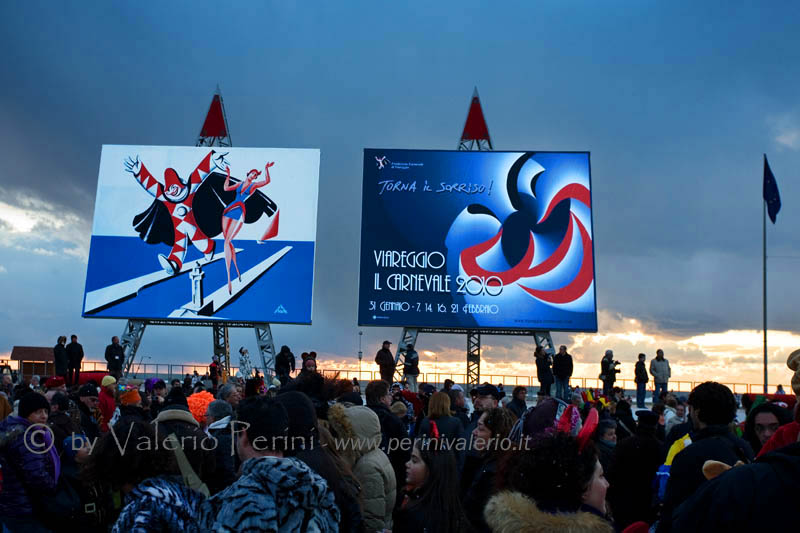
(169, 371)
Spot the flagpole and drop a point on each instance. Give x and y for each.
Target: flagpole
(764, 256)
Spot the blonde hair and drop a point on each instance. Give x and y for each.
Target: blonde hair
(399, 409)
(438, 405)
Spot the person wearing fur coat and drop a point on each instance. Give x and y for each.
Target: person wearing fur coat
(556, 486)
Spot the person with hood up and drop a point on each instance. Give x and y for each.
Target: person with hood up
(220, 427)
(284, 364)
(557, 485)
(274, 492)
(307, 446)
(357, 431)
(30, 464)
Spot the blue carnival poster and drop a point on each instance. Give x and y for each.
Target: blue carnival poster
(453, 239)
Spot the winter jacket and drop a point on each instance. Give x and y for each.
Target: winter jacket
(393, 433)
(107, 405)
(449, 427)
(284, 362)
(641, 373)
(115, 356)
(633, 468)
(61, 359)
(227, 460)
(543, 372)
(513, 512)
(74, 354)
(198, 447)
(477, 486)
(62, 427)
(411, 363)
(25, 469)
(686, 474)
(608, 370)
(562, 366)
(160, 504)
(89, 425)
(517, 407)
(273, 494)
(757, 497)
(385, 360)
(660, 370)
(358, 435)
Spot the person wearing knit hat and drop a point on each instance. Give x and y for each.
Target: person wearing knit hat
(130, 397)
(56, 383)
(30, 463)
(107, 402)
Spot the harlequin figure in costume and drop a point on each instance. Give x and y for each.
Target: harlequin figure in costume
(176, 195)
(192, 210)
(233, 216)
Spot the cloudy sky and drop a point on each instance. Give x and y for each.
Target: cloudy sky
(676, 101)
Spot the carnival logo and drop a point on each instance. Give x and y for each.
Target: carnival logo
(280, 310)
(381, 161)
(542, 244)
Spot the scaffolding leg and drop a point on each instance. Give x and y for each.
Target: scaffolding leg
(473, 359)
(409, 337)
(543, 339)
(266, 349)
(222, 349)
(131, 337)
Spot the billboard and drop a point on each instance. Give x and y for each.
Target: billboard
(453, 239)
(203, 234)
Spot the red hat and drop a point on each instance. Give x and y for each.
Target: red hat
(54, 382)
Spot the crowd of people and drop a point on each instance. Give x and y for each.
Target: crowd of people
(305, 452)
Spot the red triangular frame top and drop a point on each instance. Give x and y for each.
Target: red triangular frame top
(215, 126)
(475, 128)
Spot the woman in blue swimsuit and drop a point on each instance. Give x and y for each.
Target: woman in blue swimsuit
(233, 214)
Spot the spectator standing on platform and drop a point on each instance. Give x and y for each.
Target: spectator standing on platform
(608, 372)
(385, 361)
(115, 356)
(74, 359)
(60, 357)
(284, 364)
(562, 371)
(661, 372)
(214, 372)
(543, 371)
(641, 380)
(411, 367)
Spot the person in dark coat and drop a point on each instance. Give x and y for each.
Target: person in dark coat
(305, 445)
(74, 360)
(543, 372)
(626, 425)
(756, 497)
(762, 422)
(219, 417)
(480, 470)
(517, 404)
(458, 405)
(176, 418)
(87, 401)
(608, 372)
(605, 440)
(641, 378)
(60, 420)
(393, 432)
(30, 464)
(60, 357)
(713, 409)
(115, 357)
(562, 371)
(385, 361)
(633, 467)
(284, 364)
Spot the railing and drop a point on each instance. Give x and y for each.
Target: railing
(169, 371)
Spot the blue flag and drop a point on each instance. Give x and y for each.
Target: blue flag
(771, 194)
